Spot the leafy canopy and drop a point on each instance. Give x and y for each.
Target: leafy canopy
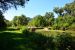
(6, 4)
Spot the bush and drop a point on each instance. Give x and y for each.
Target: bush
(24, 30)
(56, 27)
(72, 27)
(64, 42)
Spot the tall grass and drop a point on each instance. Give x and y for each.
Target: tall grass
(63, 41)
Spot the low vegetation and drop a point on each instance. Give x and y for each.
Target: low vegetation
(45, 33)
(26, 40)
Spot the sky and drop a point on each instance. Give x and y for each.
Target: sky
(35, 7)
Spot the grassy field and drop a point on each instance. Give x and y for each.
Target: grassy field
(14, 39)
(54, 32)
(41, 31)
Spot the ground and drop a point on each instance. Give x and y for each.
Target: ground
(14, 39)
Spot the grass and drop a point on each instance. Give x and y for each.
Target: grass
(14, 39)
(10, 39)
(43, 32)
(54, 32)
(10, 29)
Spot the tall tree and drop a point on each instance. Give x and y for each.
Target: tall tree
(38, 21)
(58, 11)
(49, 17)
(20, 20)
(6, 4)
(70, 8)
(8, 23)
(2, 22)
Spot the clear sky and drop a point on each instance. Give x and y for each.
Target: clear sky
(35, 7)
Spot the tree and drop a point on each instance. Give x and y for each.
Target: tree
(20, 20)
(38, 21)
(2, 22)
(49, 17)
(24, 20)
(58, 11)
(58, 22)
(70, 8)
(66, 16)
(8, 23)
(6, 4)
(64, 22)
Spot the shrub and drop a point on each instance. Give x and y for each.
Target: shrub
(64, 42)
(72, 27)
(24, 30)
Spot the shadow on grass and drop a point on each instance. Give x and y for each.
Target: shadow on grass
(27, 41)
(9, 29)
(2, 29)
(13, 29)
(7, 42)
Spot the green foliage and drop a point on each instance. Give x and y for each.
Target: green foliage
(58, 23)
(36, 41)
(8, 23)
(49, 17)
(55, 26)
(40, 21)
(72, 27)
(65, 16)
(2, 22)
(37, 21)
(20, 20)
(24, 29)
(64, 22)
(58, 11)
(70, 8)
(27, 40)
(64, 42)
(6, 4)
